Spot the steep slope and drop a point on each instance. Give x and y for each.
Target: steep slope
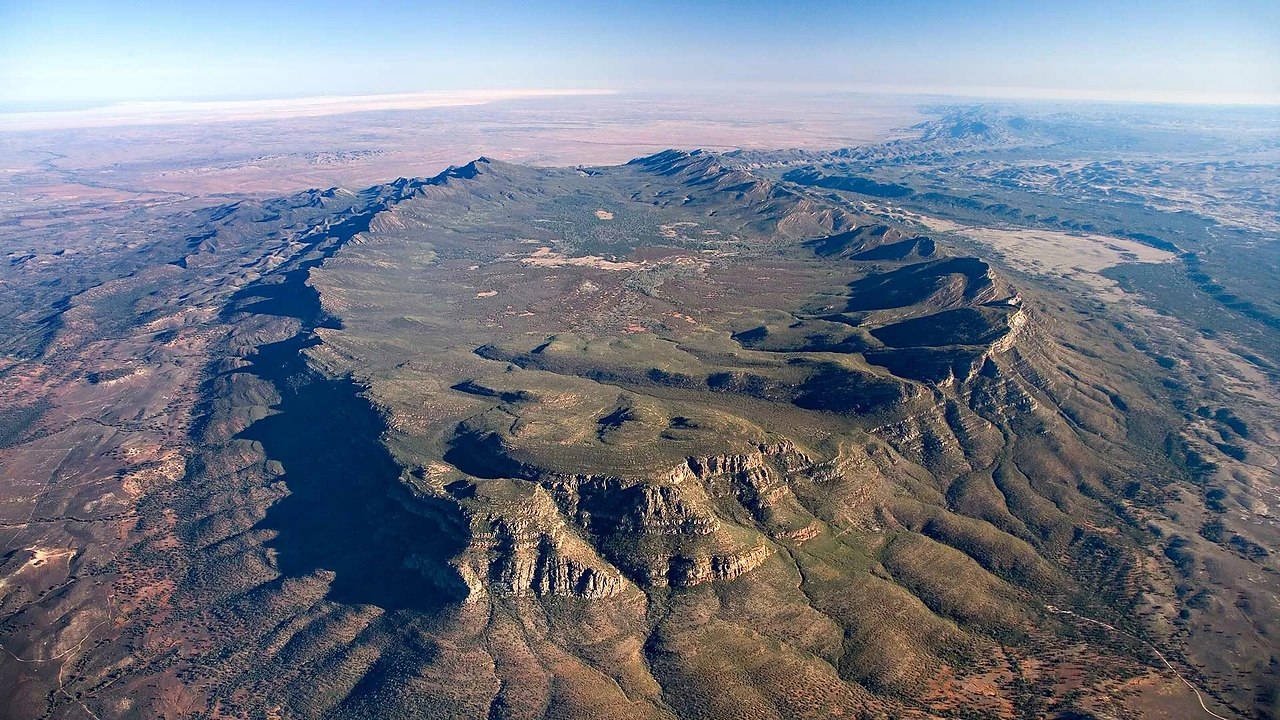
(666, 439)
(552, 353)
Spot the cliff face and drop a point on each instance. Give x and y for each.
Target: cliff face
(635, 440)
(924, 351)
(539, 536)
(522, 546)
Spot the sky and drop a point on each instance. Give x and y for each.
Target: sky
(74, 53)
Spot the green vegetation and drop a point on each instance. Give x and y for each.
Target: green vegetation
(676, 438)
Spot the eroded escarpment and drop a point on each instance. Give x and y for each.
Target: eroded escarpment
(700, 462)
(929, 402)
(558, 534)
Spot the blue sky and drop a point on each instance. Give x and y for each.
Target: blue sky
(75, 53)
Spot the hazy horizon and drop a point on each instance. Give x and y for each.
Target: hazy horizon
(84, 54)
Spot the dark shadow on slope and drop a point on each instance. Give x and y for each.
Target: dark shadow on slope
(289, 298)
(960, 326)
(481, 454)
(347, 511)
(939, 283)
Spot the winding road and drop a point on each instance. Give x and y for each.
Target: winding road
(1163, 659)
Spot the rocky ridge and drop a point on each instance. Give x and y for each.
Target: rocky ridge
(759, 475)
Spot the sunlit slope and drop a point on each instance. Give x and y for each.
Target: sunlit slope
(628, 440)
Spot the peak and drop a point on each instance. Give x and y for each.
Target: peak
(659, 158)
(674, 162)
(477, 166)
(472, 169)
(485, 164)
(673, 155)
(487, 167)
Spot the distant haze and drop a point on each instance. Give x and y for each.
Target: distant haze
(160, 112)
(79, 53)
